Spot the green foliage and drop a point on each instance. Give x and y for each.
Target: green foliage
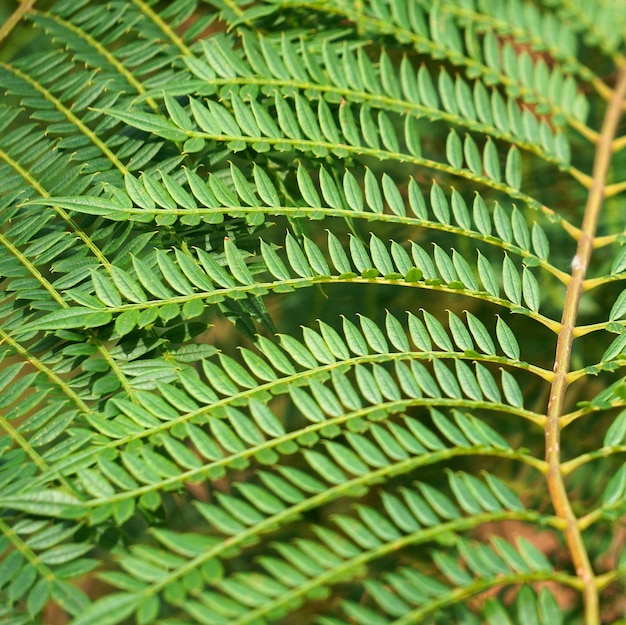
(290, 327)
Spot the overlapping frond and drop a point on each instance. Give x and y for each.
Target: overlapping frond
(183, 185)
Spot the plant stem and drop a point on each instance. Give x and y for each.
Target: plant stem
(15, 18)
(556, 484)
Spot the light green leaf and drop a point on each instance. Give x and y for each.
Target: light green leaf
(511, 389)
(307, 188)
(76, 317)
(296, 257)
(54, 503)
(513, 170)
(149, 123)
(109, 610)
(507, 339)
(237, 263)
(88, 205)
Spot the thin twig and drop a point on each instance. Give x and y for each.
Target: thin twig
(15, 18)
(556, 485)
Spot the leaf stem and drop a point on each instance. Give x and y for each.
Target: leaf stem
(595, 327)
(15, 18)
(619, 144)
(575, 288)
(604, 452)
(615, 189)
(584, 179)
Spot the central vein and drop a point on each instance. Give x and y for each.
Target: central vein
(574, 292)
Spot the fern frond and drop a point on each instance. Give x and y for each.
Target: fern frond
(191, 426)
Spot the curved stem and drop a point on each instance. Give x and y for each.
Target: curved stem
(15, 18)
(556, 484)
(615, 189)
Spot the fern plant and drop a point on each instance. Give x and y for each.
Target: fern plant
(313, 312)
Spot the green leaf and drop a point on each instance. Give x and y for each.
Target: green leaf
(614, 490)
(265, 186)
(427, 91)
(286, 118)
(149, 123)
(513, 170)
(307, 188)
(618, 310)
(446, 379)
(274, 263)
(244, 189)
(439, 204)
(204, 118)
(224, 119)
(149, 280)
(617, 430)
(437, 332)
(151, 154)
(368, 127)
(237, 263)
(540, 242)
(416, 200)
(549, 609)
(472, 156)
(317, 346)
(113, 608)
(177, 113)
(396, 333)
(244, 117)
(412, 137)
(126, 322)
(352, 191)
(225, 436)
(507, 339)
(373, 196)
(464, 271)
(296, 257)
(127, 285)
(346, 459)
(487, 384)
(503, 493)
(512, 282)
(361, 259)
(325, 468)
(481, 335)
(38, 597)
(531, 290)
(492, 161)
(106, 290)
(520, 229)
(467, 380)
(380, 256)
(76, 317)
(54, 503)
(481, 216)
(88, 205)
(315, 257)
(388, 133)
(441, 504)
(459, 333)
(307, 119)
(297, 351)
(137, 192)
(502, 223)
(459, 210)
(511, 389)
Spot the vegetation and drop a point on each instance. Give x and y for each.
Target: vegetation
(313, 312)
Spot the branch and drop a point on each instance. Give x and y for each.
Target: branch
(14, 19)
(559, 386)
